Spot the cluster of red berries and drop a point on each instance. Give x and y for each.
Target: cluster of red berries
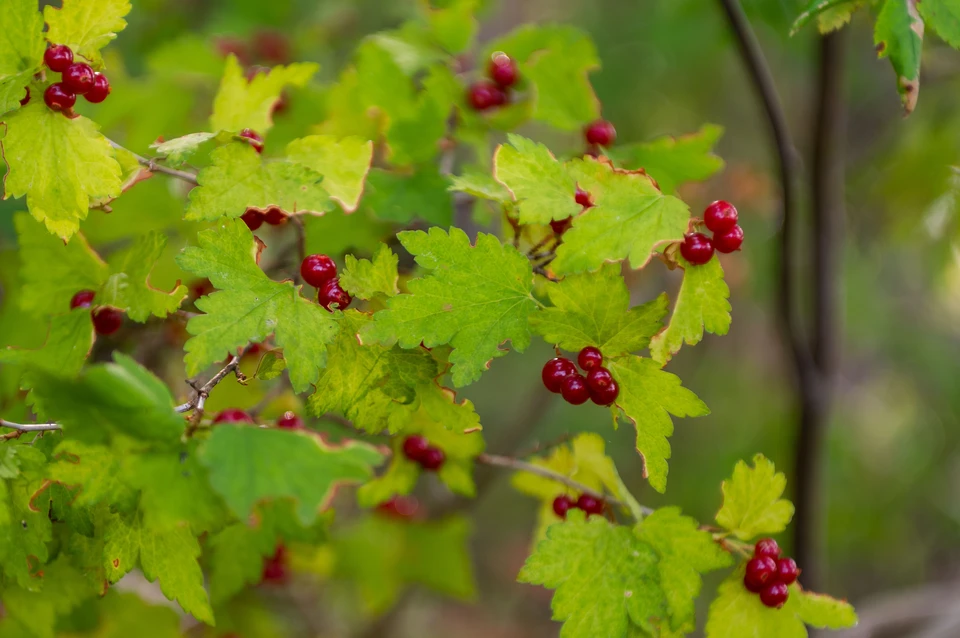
(720, 218)
(418, 449)
(254, 219)
(560, 375)
(321, 272)
(77, 78)
(288, 421)
(769, 575)
(589, 504)
(582, 197)
(106, 320)
(486, 94)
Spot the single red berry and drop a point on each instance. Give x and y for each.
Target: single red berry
(275, 567)
(590, 358)
(555, 371)
(729, 241)
(590, 504)
(290, 421)
(252, 218)
(606, 395)
(563, 504)
(201, 288)
(433, 459)
(233, 415)
(274, 216)
(582, 197)
(82, 299)
(696, 248)
(761, 571)
(255, 140)
(787, 571)
(332, 294)
(601, 133)
(560, 226)
(720, 216)
(767, 547)
(574, 389)
(400, 507)
(317, 270)
(775, 595)
(58, 98)
(415, 446)
(107, 320)
(26, 98)
(233, 46)
(271, 47)
(58, 58)
(503, 70)
(78, 78)
(485, 95)
(100, 90)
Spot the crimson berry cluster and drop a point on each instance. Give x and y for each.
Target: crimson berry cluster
(253, 218)
(106, 320)
(76, 78)
(589, 504)
(321, 272)
(720, 218)
(503, 74)
(769, 574)
(418, 449)
(560, 376)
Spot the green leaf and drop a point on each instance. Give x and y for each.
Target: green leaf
(751, 500)
(242, 103)
(60, 164)
(86, 26)
(344, 164)
(21, 55)
(249, 307)
(454, 26)
(474, 298)
(481, 185)
(898, 34)
(403, 198)
(366, 279)
(606, 579)
(270, 367)
(94, 468)
(244, 471)
(415, 136)
(129, 287)
(838, 16)
(673, 161)
(236, 558)
(541, 184)
(179, 149)
(238, 180)
(820, 610)
(701, 305)
(593, 309)
(944, 17)
(685, 552)
(648, 396)
(630, 219)
(813, 9)
(13, 88)
(64, 588)
(127, 614)
(174, 489)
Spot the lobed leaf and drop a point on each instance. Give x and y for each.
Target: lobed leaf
(539, 183)
(673, 161)
(22, 54)
(751, 500)
(86, 26)
(344, 164)
(367, 279)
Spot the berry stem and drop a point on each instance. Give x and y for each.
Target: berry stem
(200, 399)
(153, 167)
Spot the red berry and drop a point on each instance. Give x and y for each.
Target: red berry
(58, 98)
(271, 47)
(761, 571)
(485, 95)
(787, 571)
(275, 567)
(252, 218)
(767, 547)
(775, 595)
(107, 320)
(100, 90)
(729, 241)
(415, 447)
(600, 133)
(555, 371)
(233, 415)
(503, 70)
(574, 389)
(560, 226)
(290, 421)
(332, 294)
(317, 270)
(590, 504)
(82, 299)
(562, 504)
(432, 459)
(582, 197)
(58, 58)
(26, 98)
(590, 358)
(78, 78)
(274, 216)
(400, 507)
(720, 216)
(233, 46)
(696, 248)
(255, 140)
(607, 395)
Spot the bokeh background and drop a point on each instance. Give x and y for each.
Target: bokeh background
(892, 463)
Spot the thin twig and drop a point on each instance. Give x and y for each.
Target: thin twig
(153, 167)
(203, 392)
(20, 428)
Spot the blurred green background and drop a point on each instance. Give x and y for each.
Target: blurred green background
(893, 464)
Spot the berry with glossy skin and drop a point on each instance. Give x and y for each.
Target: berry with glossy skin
(82, 299)
(761, 572)
(233, 415)
(590, 358)
(590, 504)
(787, 571)
(290, 421)
(605, 395)
(317, 270)
(252, 218)
(26, 98)
(560, 226)
(555, 371)
(775, 595)
(720, 216)
(600, 132)
(574, 389)
(275, 567)
(729, 241)
(503, 70)
(254, 138)
(107, 320)
(485, 95)
(58, 58)
(582, 197)
(563, 504)
(767, 547)
(400, 507)
(415, 446)
(100, 90)
(696, 248)
(331, 293)
(58, 98)
(433, 459)
(78, 78)
(274, 216)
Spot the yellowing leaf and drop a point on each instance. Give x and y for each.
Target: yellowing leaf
(86, 26)
(344, 164)
(21, 53)
(365, 279)
(244, 104)
(751, 500)
(179, 149)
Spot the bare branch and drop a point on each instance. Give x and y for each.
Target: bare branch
(153, 167)
(21, 428)
(203, 392)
